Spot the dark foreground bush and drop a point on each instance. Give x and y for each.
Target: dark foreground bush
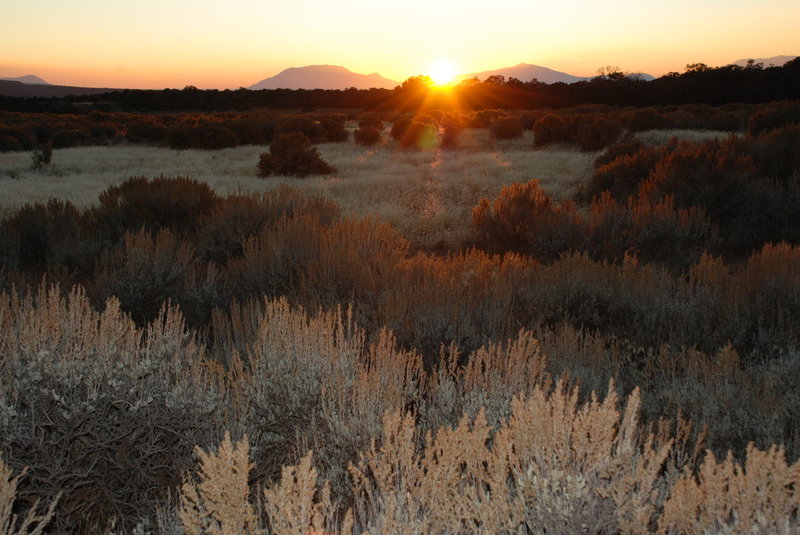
(292, 155)
(161, 202)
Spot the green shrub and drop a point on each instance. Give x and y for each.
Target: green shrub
(292, 155)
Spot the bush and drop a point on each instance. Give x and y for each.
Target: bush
(71, 138)
(292, 155)
(42, 155)
(417, 135)
(451, 127)
(627, 146)
(146, 130)
(38, 236)
(524, 219)
(622, 176)
(549, 130)
(777, 153)
(367, 136)
(593, 133)
(773, 116)
(372, 120)
(207, 137)
(643, 119)
(399, 128)
(506, 128)
(333, 125)
(176, 203)
(307, 126)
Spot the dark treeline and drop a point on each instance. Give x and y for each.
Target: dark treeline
(698, 84)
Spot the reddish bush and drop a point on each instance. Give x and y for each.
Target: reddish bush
(525, 220)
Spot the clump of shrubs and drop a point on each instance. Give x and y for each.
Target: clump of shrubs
(292, 155)
(506, 128)
(410, 134)
(588, 131)
(367, 136)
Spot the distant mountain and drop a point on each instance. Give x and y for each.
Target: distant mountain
(323, 77)
(28, 79)
(526, 72)
(777, 61)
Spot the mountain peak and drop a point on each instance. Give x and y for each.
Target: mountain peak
(29, 79)
(323, 77)
(526, 72)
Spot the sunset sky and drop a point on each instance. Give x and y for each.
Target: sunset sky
(212, 44)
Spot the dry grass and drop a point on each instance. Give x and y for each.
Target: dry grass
(427, 195)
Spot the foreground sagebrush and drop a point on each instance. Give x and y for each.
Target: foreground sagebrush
(555, 466)
(481, 443)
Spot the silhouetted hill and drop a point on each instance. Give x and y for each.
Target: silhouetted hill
(324, 77)
(526, 72)
(777, 61)
(27, 79)
(9, 88)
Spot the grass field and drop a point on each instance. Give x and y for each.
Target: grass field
(426, 195)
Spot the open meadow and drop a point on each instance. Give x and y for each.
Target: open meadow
(501, 336)
(428, 196)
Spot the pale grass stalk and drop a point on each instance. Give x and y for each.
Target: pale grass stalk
(761, 496)
(216, 502)
(12, 524)
(295, 506)
(556, 466)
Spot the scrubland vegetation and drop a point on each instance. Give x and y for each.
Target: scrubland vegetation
(551, 321)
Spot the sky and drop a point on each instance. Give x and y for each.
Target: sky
(154, 44)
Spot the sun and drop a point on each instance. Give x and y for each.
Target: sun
(442, 72)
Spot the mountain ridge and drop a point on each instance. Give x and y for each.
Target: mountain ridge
(28, 79)
(323, 77)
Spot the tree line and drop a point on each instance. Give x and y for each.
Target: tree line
(698, 84)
